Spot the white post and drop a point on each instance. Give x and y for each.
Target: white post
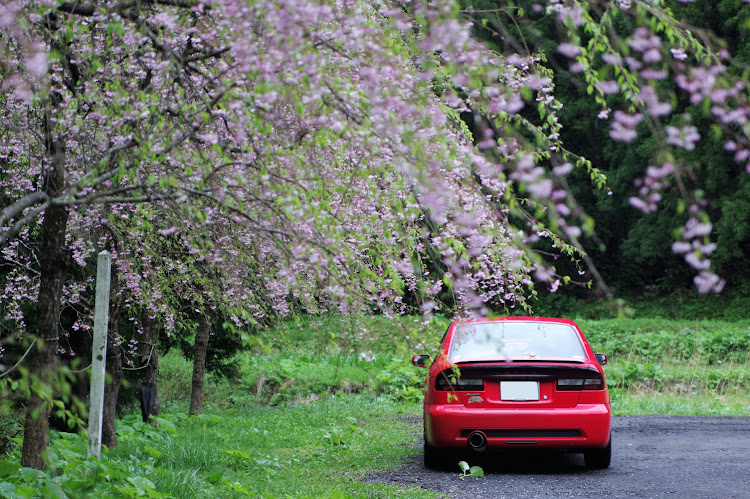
(99, 353)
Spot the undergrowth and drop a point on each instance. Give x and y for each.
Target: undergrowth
(646, 356)
(322, 449)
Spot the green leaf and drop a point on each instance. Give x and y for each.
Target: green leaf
(79, 485)
(153, 452)
(153, 493)
(115, 28)
(165, 423)
(31, 475)
(7, 489)
(25, 491)
(8, 468)
(476, 471)
(337, 494)
(215, 478)
(238, 454)
(236, 487)
(141, 483)
(464, 466)
(448, 282)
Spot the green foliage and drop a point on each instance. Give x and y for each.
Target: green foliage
(317, 356)
(733, 228)
(72, 474)
(223, 344)
(704, 342)
(10, 429)
(354, 335)
(648, 357)
(313, 357)
(401, 380)
(678, 305)
(281, 379)
(632, 250)
(257, 451)
(645, 355)
(175, 378)
(338, 435)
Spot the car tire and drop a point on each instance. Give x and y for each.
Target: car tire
(434, 458)
(598, 459)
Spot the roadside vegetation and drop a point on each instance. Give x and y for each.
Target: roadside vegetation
(320, 403)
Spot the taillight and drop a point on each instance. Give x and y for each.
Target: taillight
(444, 383)
(568, 384)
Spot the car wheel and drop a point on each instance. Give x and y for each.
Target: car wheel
(433, 458)
(598, 459)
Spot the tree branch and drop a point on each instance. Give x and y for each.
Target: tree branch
(10, 212)
(16, 227)
(88, 10)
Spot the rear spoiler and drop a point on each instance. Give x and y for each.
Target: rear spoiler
(525, 371)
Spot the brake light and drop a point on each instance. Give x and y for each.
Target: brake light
(593, 384)
(444, 383)
(568, 384)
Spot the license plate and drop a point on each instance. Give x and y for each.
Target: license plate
(519, 390)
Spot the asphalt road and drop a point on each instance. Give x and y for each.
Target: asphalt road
(652, 457)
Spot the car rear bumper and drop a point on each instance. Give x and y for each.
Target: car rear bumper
(583, 426)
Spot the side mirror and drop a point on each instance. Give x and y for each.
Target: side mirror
(602, 358)
(420, 360)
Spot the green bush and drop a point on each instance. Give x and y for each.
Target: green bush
(401, 380)
(656, 339)
(132, 471)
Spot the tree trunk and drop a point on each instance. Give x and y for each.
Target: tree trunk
(149, 358)
(54, 261)
(111, 390)
(114, 368)
(199, 364)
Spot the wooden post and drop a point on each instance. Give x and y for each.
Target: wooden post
(99, 353)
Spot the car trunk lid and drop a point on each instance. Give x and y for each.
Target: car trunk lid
(520, 385)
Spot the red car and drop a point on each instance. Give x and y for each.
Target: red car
(515, 382)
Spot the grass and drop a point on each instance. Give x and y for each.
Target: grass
(703, 404)
(307, 450)
(321, 449)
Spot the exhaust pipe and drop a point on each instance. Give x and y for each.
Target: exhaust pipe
(478, 441)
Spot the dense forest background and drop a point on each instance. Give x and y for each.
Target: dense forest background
(632, 250)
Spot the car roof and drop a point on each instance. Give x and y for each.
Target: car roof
(515, 319)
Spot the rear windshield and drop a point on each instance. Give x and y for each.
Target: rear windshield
(516, 340)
